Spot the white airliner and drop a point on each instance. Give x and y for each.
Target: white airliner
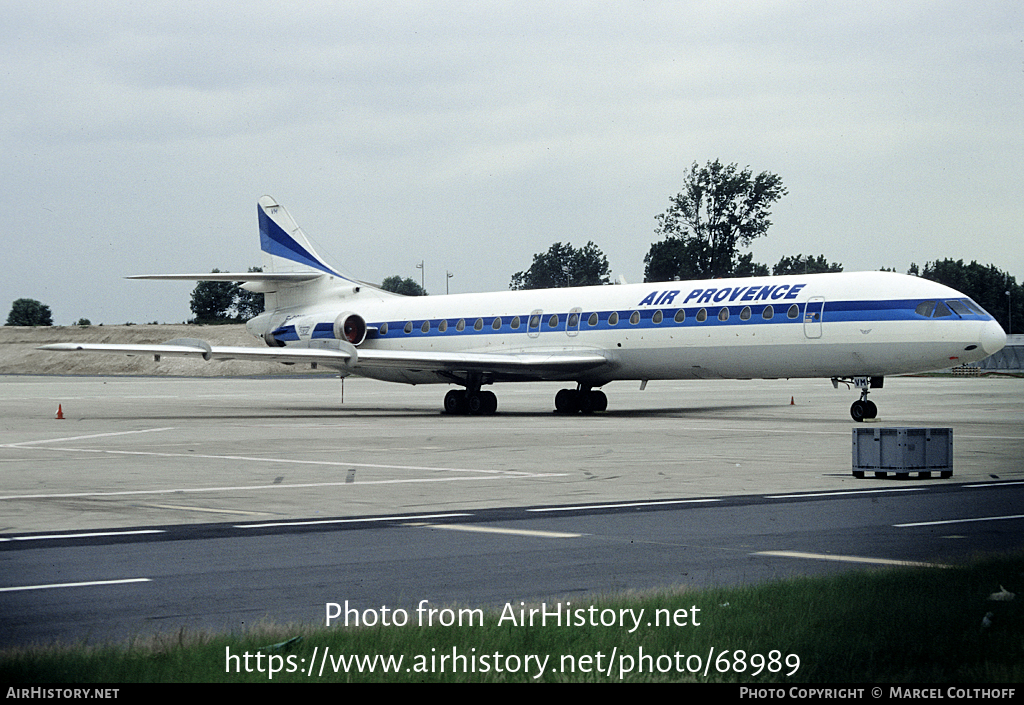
(854, 328)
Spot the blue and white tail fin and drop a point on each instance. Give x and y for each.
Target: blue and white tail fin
(285, 247)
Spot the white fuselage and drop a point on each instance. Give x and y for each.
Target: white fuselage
(824, 325)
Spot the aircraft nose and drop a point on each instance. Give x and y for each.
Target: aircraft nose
(992, 338)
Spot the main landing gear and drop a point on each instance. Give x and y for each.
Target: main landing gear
(468, 401)
(862, 408)
(582, 400)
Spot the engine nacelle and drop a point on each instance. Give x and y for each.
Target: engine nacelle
(350, 327)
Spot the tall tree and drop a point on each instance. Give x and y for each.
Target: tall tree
(405, 287)
(720, 208)
(29, 312)
(806, 264)
(248, 304)
(563, 266)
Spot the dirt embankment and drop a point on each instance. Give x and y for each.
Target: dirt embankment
(19, 354)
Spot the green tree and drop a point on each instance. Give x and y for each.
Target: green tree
(212, 301)
(29, 312)
(563, 266)
(719, 209)
(987, 285)
(802, 264)
(247, 304)
(405, 287)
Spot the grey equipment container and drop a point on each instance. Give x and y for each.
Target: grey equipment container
(903, 450)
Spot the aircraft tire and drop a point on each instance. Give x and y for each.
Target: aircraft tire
(455, 402)
(857, 411)
(482, 403)
(870, 410)
(567, 402)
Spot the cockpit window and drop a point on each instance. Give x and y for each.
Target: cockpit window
(941, 309)
(959, 308)
(925, 309)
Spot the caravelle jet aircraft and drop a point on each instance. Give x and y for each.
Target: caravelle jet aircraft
(854, 328)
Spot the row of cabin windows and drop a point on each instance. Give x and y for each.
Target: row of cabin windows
(768, 313)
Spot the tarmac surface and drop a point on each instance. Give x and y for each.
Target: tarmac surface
(138, 451)
(158, 504)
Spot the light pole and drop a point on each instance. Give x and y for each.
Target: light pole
(1009, 313)
(449, 276)
(423, 273)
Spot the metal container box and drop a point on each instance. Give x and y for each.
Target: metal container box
(903, 450)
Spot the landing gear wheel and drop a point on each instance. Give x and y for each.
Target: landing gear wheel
(455, 402)
(482, 403)
(870, 410)
(567, 402)
(857, 410)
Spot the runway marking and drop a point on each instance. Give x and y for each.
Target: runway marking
(264, 459)
(183, 490)
(846, 559)
(317, 522)
(498, 530)
(67, 585)
(204, 509)
(845, 492)
(958, 521)
(89, 535)
(996, 484)
(619, 506)
(82, 438)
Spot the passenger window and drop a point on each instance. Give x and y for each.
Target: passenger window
(425, 328)
(478, 324)
(723, 315)
(657, 317)
(592, 321)
(768, 313)
(745, 314)
(634, 318)
(702, 315)
(408, 327)
(497, 324)
(794, 311)
(613, 318)
(461, 325)
(535, 322)
(680, 316)
(383, 329)
(553, 321)
(574, 320)
(442, 326)
(515, 323)
(925, 309)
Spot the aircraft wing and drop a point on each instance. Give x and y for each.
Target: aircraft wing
(343, 355)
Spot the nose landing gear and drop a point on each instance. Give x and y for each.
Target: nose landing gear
(862, 408)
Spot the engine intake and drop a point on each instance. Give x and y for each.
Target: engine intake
(350, 327)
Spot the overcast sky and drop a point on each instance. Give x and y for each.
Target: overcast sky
(136, 137)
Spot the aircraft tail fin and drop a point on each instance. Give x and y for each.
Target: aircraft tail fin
(285, 247)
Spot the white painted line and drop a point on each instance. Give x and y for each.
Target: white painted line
(67, 585)
(958, 521)
(996, 484)
(82, 438)
(498, 530)
(845, 559)
(89, 535)
(619, 506)
(184, 490)
(317, 522)
(846, 492)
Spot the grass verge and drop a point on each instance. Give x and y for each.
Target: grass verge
(904, 625)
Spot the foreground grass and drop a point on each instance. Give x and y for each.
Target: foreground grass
(901, 625)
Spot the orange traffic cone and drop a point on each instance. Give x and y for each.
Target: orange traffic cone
(792, 402)
(60, 412)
